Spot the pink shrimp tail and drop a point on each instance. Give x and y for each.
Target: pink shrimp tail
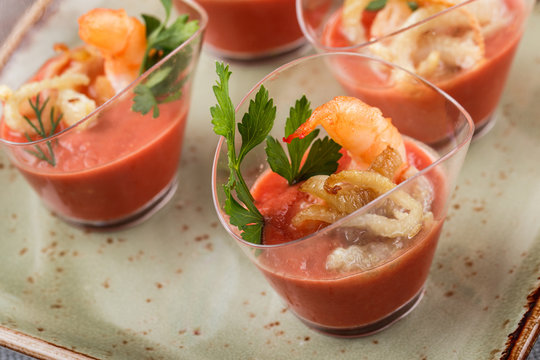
(294, 135)
(302, 131)
(310, 124)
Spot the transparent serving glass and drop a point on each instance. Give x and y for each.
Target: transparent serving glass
(388, 273)
(251, 29)
(421, 40)
(116, 166)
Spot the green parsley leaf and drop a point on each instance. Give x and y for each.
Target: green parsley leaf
(164, 85)
(413, 5)
(255, 126)
(167, 4)
(247, 221)
(162, 40)
(277, 159)
(322, 158)
(151, 23)
(169, 39)
(157, 77)
(298, 147)
(376, 5)
(144, 101)
(223, 117)
(257, 122)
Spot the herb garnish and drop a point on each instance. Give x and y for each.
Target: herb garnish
(376, 5)
(255, 126)
(322, 158)
(163, 85)
(40, 130)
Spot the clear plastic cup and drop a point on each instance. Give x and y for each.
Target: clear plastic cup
(251, 29)
(388, 280)
(474, 42)
(122, 168)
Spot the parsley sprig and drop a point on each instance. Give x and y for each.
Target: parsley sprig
(255, 126)
(323, 155)
(163, 85)
(38, 109)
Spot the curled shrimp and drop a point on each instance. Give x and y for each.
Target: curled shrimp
(377, 146)
(450, 41)
(120, 39)
(431, 48)
(492, 15)
(359, 128)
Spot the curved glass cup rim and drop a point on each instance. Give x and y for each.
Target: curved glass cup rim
(318, 45)
(140, 78)
(441, 159)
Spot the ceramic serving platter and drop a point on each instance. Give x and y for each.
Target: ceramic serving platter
(177, 287)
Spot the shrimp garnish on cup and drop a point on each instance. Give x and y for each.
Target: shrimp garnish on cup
(121, 39)
(359, 128)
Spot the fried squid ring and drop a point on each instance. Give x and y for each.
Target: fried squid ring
(13, 99)
(349, 190)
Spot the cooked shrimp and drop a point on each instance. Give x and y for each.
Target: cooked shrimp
(359, 128)
(492, 15)
(377, 146)
(432, 49)
(120, 39)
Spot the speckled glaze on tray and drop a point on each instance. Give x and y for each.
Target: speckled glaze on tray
(177, 287)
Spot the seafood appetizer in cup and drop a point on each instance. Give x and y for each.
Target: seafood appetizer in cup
(97, 130)
(252, 29)
(339, 210)
(465, 48)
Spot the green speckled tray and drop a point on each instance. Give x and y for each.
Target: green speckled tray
(177, 287)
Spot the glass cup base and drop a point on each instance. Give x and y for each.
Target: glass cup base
(485, 126)
(247, 56)
(369, 329)
(142, 214)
